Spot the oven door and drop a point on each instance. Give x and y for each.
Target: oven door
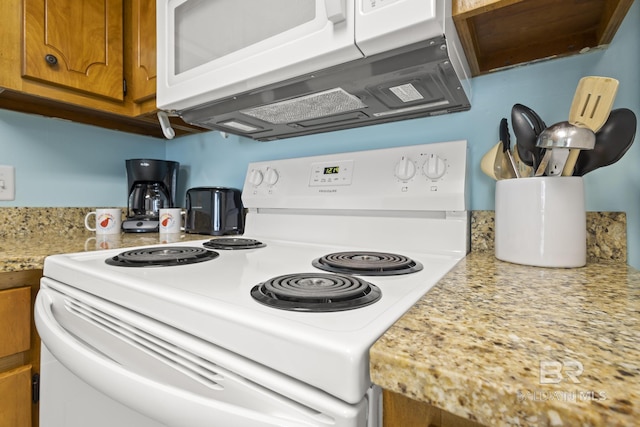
(104, 365)
(211, 49)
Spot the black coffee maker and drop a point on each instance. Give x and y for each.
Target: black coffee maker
(152, 185)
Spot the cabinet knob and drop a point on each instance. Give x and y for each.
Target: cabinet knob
(51, 59)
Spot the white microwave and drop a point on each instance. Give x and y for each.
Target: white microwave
(258, 67)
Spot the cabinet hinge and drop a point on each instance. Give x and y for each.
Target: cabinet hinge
(35, 388)
(124, 87)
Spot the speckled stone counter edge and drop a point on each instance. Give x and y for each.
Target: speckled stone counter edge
(606, 231)
(473, 345)
(34, 221)
(606, 235)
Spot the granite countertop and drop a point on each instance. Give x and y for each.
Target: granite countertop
(511, 345)
(28, 253)
(498, 343)
(29, 235)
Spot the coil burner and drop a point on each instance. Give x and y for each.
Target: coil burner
(165, 256)
(232, 243)
(316, 292)
(367, 263)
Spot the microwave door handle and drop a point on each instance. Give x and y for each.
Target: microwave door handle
(159, 401)
(165, 124)
(336, 10)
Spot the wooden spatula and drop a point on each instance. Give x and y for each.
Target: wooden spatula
(592, 102)
(590, 108)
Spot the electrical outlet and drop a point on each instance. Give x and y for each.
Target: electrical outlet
(7, 182)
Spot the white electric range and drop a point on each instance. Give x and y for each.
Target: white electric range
(275, 334)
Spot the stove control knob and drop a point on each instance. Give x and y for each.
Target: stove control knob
(271, 176)
(256, 177)
(405, 169)
(434, 167)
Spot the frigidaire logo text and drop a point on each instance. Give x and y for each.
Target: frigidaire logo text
(328, 191)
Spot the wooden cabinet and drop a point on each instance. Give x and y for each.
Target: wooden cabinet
(91, 62)
(15, 335)
(78, 45)
(142, 49)
(19, 348)
(15, 405)
(503, 33)
(402, 411)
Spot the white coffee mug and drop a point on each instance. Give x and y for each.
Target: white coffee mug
(171, 220)
(108, 221)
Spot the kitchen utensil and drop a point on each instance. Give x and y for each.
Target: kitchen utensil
(498, 161)
(522, 168)
(504, 134)
(558, 160)
(558, 140)
(592, 101)
(506, 147)
(590, 108)
(570, 162)
(538, 124)
(544, 162)
(487, 164)
(527, 125)
(612, 141)
(502, 168)
(511, 165)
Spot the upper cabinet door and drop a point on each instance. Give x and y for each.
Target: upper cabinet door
(76, 44)
(143, 45)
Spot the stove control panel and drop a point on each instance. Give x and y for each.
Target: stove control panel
(421, 177)
(327, 174)
(405, 169)
(271, 176)
(434, 167)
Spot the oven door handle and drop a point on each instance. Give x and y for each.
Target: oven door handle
(165, 403)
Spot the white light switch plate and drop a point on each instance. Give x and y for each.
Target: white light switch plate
(7, 182)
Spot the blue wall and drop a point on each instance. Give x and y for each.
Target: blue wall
(59, 163)
(65, 164)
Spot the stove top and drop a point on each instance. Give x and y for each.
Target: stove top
(401, 211)
(233, 243)
(367, 263)
(166, 256)
(213, 300)
(316, 292)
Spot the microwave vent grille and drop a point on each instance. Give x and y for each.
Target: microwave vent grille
(317, 105)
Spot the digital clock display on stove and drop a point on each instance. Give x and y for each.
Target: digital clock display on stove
(331, 170)
(331, 173)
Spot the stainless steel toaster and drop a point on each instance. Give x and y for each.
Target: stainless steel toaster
(214, 210)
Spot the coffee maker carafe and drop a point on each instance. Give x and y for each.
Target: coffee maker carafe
(152, 186)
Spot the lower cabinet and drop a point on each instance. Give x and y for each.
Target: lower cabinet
(15, 397)
(19, 348)
(402, 411)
